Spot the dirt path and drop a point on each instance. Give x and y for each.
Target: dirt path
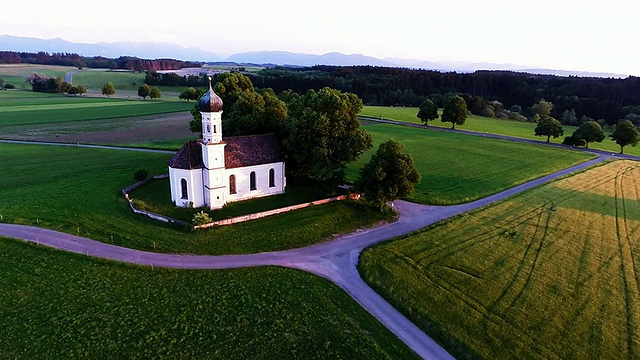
(336, 261)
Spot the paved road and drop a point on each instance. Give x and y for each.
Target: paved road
(335, 261)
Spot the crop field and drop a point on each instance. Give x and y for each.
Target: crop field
(481, 124)
(66, 306)
(29, 108)
(458, 168)
(77, 190)
(551, 273)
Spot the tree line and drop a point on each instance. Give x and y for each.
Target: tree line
(597, 98)
(97, 62)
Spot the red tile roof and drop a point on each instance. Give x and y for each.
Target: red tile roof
(240, 151)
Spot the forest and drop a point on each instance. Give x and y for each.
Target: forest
(97, 62)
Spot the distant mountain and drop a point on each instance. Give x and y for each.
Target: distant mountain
(297, 59)
(157, 50)
(145, 50)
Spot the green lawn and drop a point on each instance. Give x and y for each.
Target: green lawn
(122, 80)
(459, 168)
(29, 108)
(66, 306)
(77, 190)
(481, 124)
(551, 273)
(24, 70)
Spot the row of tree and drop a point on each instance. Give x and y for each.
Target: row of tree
(43, 83)
(319, 133)
(72, 59)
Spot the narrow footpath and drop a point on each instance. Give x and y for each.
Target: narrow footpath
(335, 261)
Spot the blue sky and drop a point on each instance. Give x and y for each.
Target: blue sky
(572, 35)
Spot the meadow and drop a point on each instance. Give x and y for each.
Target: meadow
(29, 108)
(458, 168)
(67, 306)
(77, 190)
(524, 130)
(551, 273)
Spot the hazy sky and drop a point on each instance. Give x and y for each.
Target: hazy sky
(602, 36)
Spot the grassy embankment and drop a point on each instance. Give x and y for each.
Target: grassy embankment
(481, 124)
(459, 168)
(62, 305)
(550, 273)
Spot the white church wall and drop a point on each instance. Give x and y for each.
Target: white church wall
(243, 182)
(195, 194)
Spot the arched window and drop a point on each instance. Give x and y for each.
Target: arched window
(232, 184)
(183, 187)
(214, 129)
(252, 181)
(272, 178)
(208, 129)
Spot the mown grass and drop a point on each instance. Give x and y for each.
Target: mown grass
(66, 306)
(23, 70)
(77, 190)
(29, 108)
(127, 81)
(547, 274)
(156, 197)
(482, 124)
(458, 168)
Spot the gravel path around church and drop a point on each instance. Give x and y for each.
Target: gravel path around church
(335, 261)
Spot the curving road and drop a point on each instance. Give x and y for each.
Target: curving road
(336, 261)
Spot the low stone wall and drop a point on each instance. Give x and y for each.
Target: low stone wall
(235, 220)
(259, 215)
(150, 214)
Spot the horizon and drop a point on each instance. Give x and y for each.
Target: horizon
(549, 35)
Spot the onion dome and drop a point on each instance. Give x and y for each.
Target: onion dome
(210, 101)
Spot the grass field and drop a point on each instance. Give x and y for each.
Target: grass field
(551, 273)
(29, 108)
(481, 124)
(124, 81)
(459, 168)
(66, 306)
(77, 190)
(24, 70)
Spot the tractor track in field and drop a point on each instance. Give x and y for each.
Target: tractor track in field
(335, 261)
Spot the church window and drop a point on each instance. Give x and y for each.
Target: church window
(208, 129)
(214, 129)
(232, 184)
(272, 178)
(252, 180)
(183, 188)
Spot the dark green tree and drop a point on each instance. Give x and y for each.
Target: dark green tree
(625, 134)
(428, 111)
(388, 176)
(144, 91)
(549, 127)
(189, 94)
(589, 131)
(155, 93)
(108, 89)
(323, 135)
(1, 83)
(455, 111)
(255, 112)
(542, 108)
(81, 90)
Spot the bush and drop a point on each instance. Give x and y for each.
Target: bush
(9, 86)
(573, 141)
(201, 218)
(140, 174)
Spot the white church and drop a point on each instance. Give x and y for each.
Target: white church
(214, 171)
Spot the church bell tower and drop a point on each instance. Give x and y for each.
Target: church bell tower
(210, 106)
